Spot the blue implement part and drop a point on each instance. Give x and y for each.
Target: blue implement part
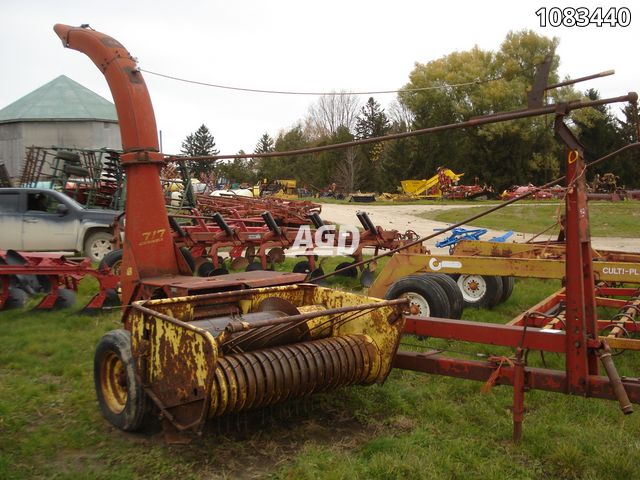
(501, 238)
(460, 233)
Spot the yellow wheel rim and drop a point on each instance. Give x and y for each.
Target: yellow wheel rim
(113, 381)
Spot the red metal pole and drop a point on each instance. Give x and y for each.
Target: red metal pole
(581, 321)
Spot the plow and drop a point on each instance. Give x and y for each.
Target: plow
(192, 349)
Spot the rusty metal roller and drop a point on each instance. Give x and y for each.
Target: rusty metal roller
(264, 377)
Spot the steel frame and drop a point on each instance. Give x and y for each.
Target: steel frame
(579, 341)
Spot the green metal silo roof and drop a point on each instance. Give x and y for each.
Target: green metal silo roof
(59, 100)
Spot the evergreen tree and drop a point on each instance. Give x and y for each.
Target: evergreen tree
(372, 122)
(200, 144)
(265, 144)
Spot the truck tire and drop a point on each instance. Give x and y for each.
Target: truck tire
(121, 398)
(480, 291)
(454, 295)
(507, 288)
(97, 245)
(424, 293)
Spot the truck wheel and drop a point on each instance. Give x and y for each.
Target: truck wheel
(454, 295)
(120, 397)
(98, 245)
(424, 293)
(480, 290)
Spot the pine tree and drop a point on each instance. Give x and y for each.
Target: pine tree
(200, 144)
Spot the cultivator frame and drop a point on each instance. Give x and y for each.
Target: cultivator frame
(579, 341)
(92, 177)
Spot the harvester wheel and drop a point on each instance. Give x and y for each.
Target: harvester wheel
(450, 287)
(480, 290)
(120, 396)
(507, 288)
(17, 298)
(424, 293)
(98, 245)
(351, 273)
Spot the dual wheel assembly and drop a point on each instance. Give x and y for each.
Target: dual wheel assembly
(444, 296)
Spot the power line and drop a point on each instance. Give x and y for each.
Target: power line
(286, 92)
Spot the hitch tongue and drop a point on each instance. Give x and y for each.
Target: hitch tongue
(616, 383)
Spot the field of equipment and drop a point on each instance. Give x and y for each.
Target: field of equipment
(198, 348)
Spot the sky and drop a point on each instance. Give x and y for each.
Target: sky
(322, 46)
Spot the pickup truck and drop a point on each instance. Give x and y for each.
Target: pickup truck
(37, 219)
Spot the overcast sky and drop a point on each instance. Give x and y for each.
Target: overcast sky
(286, 45)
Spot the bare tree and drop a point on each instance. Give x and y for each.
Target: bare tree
(400, 115)
(331, 112)
(347, 174)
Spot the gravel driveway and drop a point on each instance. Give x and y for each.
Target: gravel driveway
(404, 217)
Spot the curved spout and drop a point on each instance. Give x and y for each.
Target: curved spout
(148, 250)
(130, 95)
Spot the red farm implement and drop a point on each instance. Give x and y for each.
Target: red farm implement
(57, 277)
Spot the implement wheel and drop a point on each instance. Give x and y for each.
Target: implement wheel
(424, 294)
(120, 397)
(480, 290)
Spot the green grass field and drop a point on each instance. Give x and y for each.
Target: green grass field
(607, 219)
(414, 426)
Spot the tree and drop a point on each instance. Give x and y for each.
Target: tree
(265, 144)
(239, 170)
(372, 122)
(200, 144)
(331, 112)
(467, 84)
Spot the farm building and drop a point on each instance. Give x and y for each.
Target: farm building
(60, 113)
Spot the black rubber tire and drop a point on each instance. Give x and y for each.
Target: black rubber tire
(351, 273)
(111, 262)
(450, 287)
(302, 267)
(436, 303)
(253, 266)
(507, 288)
(66, 298)
(17, 298)
(127, 410)
(205, 269)
(219, 271)
(97, 245)
(490, 290)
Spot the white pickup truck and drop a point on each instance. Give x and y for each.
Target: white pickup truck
(35, 219)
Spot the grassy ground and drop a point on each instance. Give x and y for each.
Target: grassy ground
(414, 426)
(606, 218)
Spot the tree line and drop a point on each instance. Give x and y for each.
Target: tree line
(451, 89)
